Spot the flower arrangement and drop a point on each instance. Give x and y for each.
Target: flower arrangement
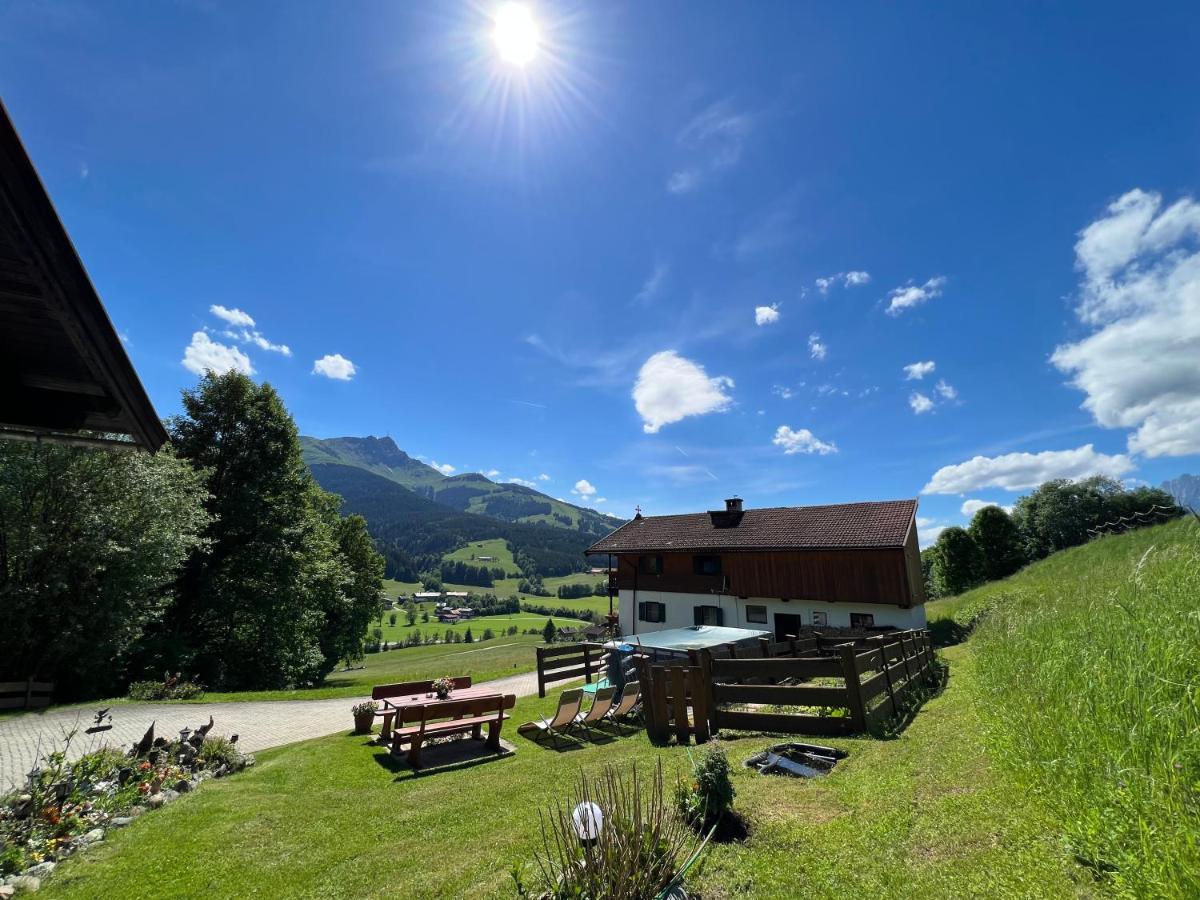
(366, 708)
(443, 687)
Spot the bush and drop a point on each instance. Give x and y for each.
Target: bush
(708, 796)
(549, 632)
(639, 851)
(172, 687)
(468, 638)
(488, 634)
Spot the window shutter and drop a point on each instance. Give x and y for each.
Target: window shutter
(698, 615)
(642, 612)
(720, 616)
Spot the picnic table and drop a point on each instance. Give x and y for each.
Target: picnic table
(467, 709)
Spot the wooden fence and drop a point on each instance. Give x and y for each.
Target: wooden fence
(28, 694)
(567, 662)
(862, 683)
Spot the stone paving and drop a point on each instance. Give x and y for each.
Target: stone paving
(258, 724)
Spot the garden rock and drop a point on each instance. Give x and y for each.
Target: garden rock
(183, 785)
(154, 801)
(121, 821)
(25, 883)
(93, 836)
(6, 891)
(41, 870)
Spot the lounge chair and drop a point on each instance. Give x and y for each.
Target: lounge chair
(624, 707)
(602, 705)
(561, 722)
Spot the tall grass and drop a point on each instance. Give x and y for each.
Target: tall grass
(1090, 669)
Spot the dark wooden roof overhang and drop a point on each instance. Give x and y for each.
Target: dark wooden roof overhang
(64, 374)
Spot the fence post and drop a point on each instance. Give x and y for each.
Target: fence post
(658, 695)
(707, 676)
(764, 644)
(29, 692)
(679, 688)
(587, 664)
(858, 712)
(541, 672)
(904, 653)
(887, 675)
(701, 700)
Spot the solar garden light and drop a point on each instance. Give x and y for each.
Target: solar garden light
(588, 819)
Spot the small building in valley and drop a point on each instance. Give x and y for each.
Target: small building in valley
(782, 569)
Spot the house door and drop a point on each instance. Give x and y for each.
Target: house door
(787, 623)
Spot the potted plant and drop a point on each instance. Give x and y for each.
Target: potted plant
(364, 716)
(443, 688)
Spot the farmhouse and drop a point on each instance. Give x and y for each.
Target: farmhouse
(781, 569)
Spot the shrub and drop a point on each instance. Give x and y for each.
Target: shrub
(468, 638)
(549, 632)
(708, 795)
(219, 751)
(392, 620)
(642, 848)
(172, 687)
(488, 634)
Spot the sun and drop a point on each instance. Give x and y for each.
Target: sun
(516, 34)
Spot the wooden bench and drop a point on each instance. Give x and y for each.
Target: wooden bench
(405, 689)
(28, 694)
(444, 717)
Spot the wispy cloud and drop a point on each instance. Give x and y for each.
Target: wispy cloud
(919, 402)
(653, 284)
(918, 370)
(946, 389)
(712, 142)
(816, 348)
(232, 316)
(909, 295)
(853, 278)
(444, 468)
(524, 482)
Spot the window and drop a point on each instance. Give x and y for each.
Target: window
(862, 620)
(706, 565)
(756, 614)
(709, 615)
(649, 611)
(820, 618)
(652, 565)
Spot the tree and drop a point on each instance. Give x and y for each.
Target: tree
(91, 542)
(392, 620)
(424, 614)
(549, 632)
(487, 635)
(999, 541)
(958, 565)
(928, 561)
(285, 588)
(468, 638)
(410, 613)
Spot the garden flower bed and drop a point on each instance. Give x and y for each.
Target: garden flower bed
(66, 807)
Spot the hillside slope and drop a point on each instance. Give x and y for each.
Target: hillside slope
(470, 492)
(413, 532)
(1089, 663)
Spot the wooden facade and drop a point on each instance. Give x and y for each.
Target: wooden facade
(883, 576)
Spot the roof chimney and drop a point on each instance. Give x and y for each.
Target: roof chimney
(733, 505)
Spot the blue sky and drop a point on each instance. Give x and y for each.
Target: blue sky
(688, 250)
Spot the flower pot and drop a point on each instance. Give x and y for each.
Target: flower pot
(363, 723)
(443, 695)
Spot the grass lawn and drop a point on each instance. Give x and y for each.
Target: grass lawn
(924, 815)
(497, 549)
(498, 624)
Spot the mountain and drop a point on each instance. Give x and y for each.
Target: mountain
(471, 493)
(1185, 489)
(416, 514)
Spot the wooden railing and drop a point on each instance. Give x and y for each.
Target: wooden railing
(865, 684)
(567, 662)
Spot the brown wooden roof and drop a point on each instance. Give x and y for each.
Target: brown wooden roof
(878, 524)
(63, 369)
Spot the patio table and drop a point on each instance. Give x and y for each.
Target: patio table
(409, 701)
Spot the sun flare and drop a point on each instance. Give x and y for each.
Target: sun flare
(516, 34)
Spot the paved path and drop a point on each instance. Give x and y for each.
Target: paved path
(259, 724)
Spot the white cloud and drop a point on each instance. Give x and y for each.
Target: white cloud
(583, 488)
(204, 354)
(713, 140)
(1140, 293)
(492, 473)
(783, 392)
(653, 284)
(919, 402)
(766, 315)
(946, 389)
(817, 349)
(970, 507)
(232, 316)
(600, 500)
(261, 342)
(1018, 471)
(910, 295)
(847, 279)
(918, 370)
(335, 366)
(801, 441)
(543, 477)
(928, 536)
(444, 468)
(522, 482)
(670, 387)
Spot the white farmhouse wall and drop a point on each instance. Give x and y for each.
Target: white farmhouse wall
(680, 611)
